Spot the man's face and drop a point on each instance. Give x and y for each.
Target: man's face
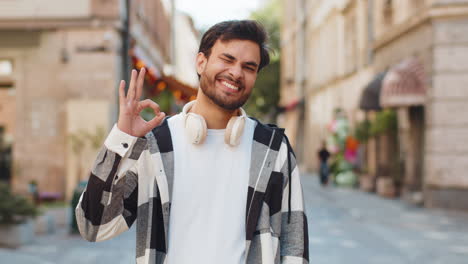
(228, 75)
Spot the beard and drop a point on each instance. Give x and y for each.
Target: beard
(208, 86)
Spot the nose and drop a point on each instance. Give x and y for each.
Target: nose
(235, 71)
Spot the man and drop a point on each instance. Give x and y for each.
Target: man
(323, 156)
(208, 185)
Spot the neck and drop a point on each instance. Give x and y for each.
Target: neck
(215, 116)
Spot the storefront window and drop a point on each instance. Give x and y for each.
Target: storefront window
(6, 67)
(6, 72)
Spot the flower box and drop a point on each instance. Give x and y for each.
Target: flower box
(16, 235)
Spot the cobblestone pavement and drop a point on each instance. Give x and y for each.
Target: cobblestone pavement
(72, 249)
(345, 226)
(350, 226)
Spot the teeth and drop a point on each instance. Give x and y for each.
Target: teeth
(231, 86)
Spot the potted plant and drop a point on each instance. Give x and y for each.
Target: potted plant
(344, 149)
(385, 128)
(386, 187)
(16, 214)
(366, 181)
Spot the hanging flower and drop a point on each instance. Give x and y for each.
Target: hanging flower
(332, 126)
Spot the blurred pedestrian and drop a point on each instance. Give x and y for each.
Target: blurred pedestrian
(209, 185)
(323, 156)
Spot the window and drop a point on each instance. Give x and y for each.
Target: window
(6, 67)
(350, 42)
(6, 73)
(388, 12)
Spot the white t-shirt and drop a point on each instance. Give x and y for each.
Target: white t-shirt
(207, 223)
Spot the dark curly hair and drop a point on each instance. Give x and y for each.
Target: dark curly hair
(237, 29)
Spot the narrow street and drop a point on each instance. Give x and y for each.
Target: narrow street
(349, 226)
(345, 226)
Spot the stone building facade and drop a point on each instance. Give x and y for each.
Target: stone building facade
(60, 98)
(346, 43)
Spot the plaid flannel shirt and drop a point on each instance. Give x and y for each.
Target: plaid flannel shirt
(132, 179)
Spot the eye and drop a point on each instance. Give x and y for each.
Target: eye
(250, 69)
(227, 60)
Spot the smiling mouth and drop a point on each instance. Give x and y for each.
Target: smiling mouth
(230, 86)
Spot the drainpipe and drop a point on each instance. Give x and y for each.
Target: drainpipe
(300, 78)
(125, 40)
(122, 72)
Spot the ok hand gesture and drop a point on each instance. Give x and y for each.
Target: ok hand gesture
(130, 120)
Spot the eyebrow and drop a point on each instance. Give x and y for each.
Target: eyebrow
(229, 56)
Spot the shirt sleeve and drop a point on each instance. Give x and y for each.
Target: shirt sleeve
(108, 205)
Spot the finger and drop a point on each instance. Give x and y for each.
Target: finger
(140, 82)
(131, 87)
(149, 103)
(156, 120)
(122, 92)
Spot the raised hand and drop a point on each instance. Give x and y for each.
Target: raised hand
(130, 120)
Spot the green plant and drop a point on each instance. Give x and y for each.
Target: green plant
(385, 121)
(95, 140)
(362, 131)
(14, 209)
(265, 96)
(81, 139)
(165, 100)
(339, 164)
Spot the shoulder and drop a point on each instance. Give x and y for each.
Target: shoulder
(270, 134)
(265, 127)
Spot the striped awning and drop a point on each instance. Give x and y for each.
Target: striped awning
(404, 85)
(141, 57)
(157, 81)
(370, 97)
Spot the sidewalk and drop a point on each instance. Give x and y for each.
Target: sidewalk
(61, 247)
(345, 226)
(350, 226)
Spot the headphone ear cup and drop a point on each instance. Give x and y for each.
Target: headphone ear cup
(195, 128)
(234, 130)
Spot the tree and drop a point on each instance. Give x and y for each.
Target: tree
(265, 96)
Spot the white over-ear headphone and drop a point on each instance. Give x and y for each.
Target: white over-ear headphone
(195, 126)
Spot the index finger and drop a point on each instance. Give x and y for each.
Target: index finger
(122, 92)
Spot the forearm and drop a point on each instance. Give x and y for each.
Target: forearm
(112, 186)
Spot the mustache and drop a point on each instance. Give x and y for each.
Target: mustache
(239, 83)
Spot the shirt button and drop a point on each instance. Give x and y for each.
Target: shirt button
(125, 145)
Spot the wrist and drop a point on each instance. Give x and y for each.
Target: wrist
(123, 128)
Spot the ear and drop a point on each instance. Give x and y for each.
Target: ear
(201, 62)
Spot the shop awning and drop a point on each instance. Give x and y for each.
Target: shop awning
(404, 85)
(158, 82)
(370, 98)
(142, 59)
(292, 105)
(187, 92)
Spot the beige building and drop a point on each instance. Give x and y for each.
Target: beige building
(60, 64)
(333, 49)
(186, 42)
